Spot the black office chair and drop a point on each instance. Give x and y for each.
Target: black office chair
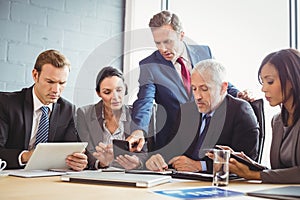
(152, 129)
(258, 107)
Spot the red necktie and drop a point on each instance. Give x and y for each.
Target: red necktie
(185, 75)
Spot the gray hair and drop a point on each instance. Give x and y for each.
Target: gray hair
(213, 71)
(165, 18)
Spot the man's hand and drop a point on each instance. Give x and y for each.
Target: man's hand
(246, 95)
(183, 163)
(77, 161)
(104, 153)
(136, 140)
(26, 156)
(156, 163)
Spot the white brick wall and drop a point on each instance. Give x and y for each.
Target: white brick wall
(13, 31)
(65, 21)
(45, 36)
(74, 27)
(54, 4)
(3, 49)
(4, 9)
(28, 14)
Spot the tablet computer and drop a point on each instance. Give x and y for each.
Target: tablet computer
(251, 164)
(53, 155)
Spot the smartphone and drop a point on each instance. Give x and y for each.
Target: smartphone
(121, 147)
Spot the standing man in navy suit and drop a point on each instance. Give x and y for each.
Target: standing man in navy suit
(21, 113)
(161, 80)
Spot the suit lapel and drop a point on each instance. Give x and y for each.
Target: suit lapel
(96, 123)
(54, 118)
(171, 73)
(28, 115)
(215, 128)
(278, 133)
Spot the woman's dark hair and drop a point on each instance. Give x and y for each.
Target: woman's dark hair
(287, 63)
(108, 71)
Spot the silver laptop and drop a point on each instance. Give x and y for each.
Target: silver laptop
(117, 178)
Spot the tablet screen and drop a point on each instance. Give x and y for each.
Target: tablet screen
(53, 155)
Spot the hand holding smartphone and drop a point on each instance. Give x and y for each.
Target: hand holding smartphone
(121, 147)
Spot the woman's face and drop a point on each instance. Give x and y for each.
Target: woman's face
(271, 85)
(112, 92)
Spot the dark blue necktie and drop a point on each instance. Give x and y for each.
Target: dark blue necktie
(43, 129)
(195, 154)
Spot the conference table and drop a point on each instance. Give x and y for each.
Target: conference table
(53, 188)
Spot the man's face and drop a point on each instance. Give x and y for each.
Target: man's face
(207, 95)
(168, 41)
(50, 83)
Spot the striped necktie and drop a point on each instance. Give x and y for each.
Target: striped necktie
(43, 129)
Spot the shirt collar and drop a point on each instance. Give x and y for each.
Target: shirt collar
(37, 104)
(208, 114)
(183, 54)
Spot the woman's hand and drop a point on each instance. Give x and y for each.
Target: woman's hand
(128, 162)
(104, 153)
(243, 170)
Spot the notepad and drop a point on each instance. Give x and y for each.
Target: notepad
(198, 193)
(117, 178)
(33, 173)
(288, 192)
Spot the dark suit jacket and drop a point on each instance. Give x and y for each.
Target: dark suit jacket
(233, 124)
(16, 110)
(160, 81)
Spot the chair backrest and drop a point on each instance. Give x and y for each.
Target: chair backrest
(258, 107)
(152, 129)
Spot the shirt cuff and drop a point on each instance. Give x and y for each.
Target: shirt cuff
(97, 164)
(20, 158)
(203, 165)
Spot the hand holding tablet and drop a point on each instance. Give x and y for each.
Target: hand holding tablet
(53, 155)
(245, 160)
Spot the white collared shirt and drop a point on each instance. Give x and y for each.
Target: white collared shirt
(186, 61)
(108, 137)
(37, 113)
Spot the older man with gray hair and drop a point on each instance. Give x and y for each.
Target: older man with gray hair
(216, 118)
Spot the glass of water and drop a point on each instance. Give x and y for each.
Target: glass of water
(221, 167)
